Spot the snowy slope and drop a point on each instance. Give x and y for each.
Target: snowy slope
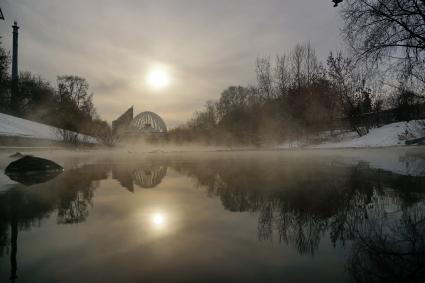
(394, 134)
(16, 127)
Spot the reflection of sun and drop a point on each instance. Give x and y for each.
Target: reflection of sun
(158, 219)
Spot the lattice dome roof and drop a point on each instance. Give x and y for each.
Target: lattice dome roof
(149, 122)
(149, 177)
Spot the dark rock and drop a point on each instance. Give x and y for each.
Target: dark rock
(419, 141)
(30, 164)
(33, 178)
(30, 170)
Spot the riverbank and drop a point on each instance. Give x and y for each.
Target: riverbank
(16, 131)
(391, 135)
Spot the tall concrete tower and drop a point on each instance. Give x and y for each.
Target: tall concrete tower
(14, 99)
(15, 52)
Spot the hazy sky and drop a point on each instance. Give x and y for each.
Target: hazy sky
(205, 45)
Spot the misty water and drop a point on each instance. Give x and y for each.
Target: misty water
(273, 216)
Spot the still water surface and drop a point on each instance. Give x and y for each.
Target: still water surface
(218, 217)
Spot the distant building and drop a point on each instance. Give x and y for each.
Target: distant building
(121, 125)
(145, 124)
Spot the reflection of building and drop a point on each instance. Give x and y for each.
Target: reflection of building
(121, 125)
(145, 124)
(146, 177)
(149, 177)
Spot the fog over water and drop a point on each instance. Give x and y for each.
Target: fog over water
(212, 141)
(217, 216)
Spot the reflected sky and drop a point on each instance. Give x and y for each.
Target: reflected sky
(215, 218)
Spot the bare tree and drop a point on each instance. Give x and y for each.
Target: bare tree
(385, 27)
(296, 58)
(68, 137)
(233, 98)
(264, 77)
(282, 75)
(4, 79)
(74, 88)
(393, 30)
(311, 63)
(350, 86)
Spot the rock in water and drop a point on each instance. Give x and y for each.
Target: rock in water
(28, 164)
(34, 177)
(30, 170)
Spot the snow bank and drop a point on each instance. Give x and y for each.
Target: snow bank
(11, 126)
(394, 134)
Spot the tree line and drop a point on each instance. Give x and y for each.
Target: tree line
(66, 105)
(296, 96)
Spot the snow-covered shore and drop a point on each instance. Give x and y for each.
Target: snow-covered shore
(11, 126)
(394, 134)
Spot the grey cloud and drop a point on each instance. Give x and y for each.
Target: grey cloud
(210, 44)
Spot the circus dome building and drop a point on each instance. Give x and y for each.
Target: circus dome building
(148, 122)
(144, 124)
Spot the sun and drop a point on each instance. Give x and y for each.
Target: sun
(158, 78)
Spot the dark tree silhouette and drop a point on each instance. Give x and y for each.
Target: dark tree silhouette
(389, 30)
(301, 205)
(4, 79)
(68, 106)
(383, 27)
(22, 208)
(336, 2)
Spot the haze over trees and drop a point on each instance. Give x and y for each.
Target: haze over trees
(67, 105)
(297, 96)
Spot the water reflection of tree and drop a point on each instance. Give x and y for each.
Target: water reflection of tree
(390, 248)
(3, 238)
(299, 202)
(379, 213)
(70, 195)
(23, 207)
(76, 197)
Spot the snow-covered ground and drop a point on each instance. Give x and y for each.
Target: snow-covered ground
(394, 134)
(11, 126)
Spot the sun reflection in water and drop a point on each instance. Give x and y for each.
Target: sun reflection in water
(158, 220)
